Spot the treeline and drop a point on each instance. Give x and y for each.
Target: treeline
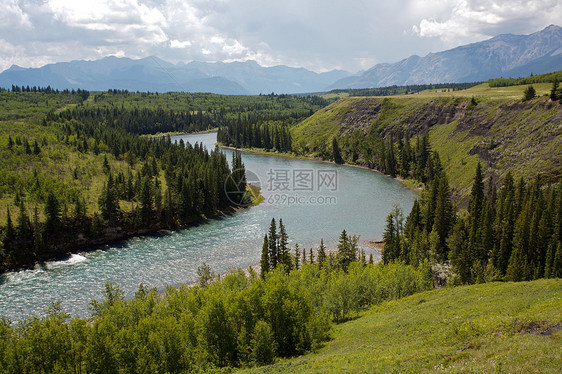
(176, 184)
(142, 121)
(84, 94)
(237, 320)
(543, 78)
(173, 185)
(277, 253)
(513, 233)
(269, 135)
(261, 119)
(404, 157)
(401, 90)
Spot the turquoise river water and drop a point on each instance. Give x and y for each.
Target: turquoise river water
(314, 199)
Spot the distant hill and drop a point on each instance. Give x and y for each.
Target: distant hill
(154, 74)
(505, 55)
(498, 129)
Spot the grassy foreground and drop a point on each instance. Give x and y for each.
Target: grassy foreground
(494, 327)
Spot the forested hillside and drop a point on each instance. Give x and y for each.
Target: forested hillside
(494, 151)
(75, 171)
(503, 132)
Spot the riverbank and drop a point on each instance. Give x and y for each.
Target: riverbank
(180, 133)
(116, 234)
(411, 184)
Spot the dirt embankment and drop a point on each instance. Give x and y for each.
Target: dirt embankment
(524, 137)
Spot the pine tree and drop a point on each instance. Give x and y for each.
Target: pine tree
(146, 202)
(529, 93)
(283, 247)
(52, 213)
(10, 232)
(549, 259)
(273, 245)
(24, 225)
(336, 151)
(556, 270)
(169, 208)
(390, 160)
(390, 250)
(506, 219)
(444, 217)
(393, 236)
(414, 221)
(36, 149)
(518, 267)
(105, 166)
(109, 200)
(298, 256)
(475, 214)
(554, 90)
(460, 254)
(476, 197)
(264, 262)
(321, 257)
(38, 242)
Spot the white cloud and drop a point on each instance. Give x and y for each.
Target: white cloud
(458, 21)
(179, 44)
(12, 15)
(320, 36)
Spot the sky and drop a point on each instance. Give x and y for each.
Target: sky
(319, 35)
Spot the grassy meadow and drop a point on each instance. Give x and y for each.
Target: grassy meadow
(493, 327)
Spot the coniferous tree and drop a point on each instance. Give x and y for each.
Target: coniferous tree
(321, 257)
(392, 236)
(105, 166)
(10, 232)
(554, 90)
(475, 214)
(336, 152)
(109, 200)
(273, 245)
(36, 149)
(506, 224)
(283, 247)
(529, 93)
(460, 254)
(391, 251)
(556, 271)
(264, 262)
(38, 242)
(52, 213)
(24, 225)
(146, 202)
(444, 217)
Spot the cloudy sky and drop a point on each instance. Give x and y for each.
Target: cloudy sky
(318, 35)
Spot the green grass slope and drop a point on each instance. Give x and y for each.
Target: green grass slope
(494, 327)
(500, 130)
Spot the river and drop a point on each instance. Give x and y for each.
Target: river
(314, 199)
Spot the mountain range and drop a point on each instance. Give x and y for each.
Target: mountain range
(154, 74)
(506, 55)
